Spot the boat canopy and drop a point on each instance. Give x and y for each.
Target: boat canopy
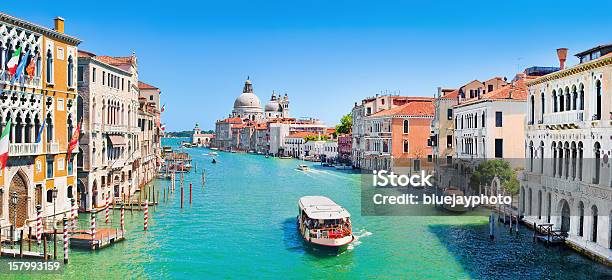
(322, 208)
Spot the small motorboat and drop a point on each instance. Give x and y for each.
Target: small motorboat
(213, 153)
(303, 167)
(285, 157)
(267, 156)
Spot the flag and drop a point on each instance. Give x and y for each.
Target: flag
(20, 67)
(14, 61)
(163, 128)
(4, 145)
(40, 132)
(163, 108)
(31, 68)
(74, 140)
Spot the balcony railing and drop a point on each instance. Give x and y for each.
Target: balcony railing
(115, 128)
(53, 148)
(25, 149)
(570, 118)
(23, 80)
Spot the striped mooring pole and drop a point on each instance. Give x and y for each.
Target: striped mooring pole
(39, 227)
(75, 215)
(146, 215)
(122, 218)
(65, 240)
(93, 230)
(106, 210)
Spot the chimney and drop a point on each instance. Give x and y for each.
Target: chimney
(562, 55)
(59, 24)
(439, 91)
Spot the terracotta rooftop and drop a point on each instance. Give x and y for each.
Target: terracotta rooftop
(301, 134)
(516, 90)
(143, 85)
(423, 108)
(116, 60)
(231, 120)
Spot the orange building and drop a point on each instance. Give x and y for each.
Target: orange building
(42, 107)
(398, 136)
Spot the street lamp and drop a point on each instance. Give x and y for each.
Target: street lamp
(14, 200)
(54, 195)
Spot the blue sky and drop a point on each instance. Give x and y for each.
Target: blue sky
(325, 54)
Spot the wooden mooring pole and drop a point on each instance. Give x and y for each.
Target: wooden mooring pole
(54, 243)
(491, 225)
(189, 193)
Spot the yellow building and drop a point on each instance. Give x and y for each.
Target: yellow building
(42, 107)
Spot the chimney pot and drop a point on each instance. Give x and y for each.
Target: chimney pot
(562, 55)
(59, 24)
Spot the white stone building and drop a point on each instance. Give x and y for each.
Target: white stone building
(108, 105)
(568, 179)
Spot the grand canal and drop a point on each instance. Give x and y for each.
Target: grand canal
(242, 224)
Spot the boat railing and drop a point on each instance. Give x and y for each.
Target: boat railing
(332, 233)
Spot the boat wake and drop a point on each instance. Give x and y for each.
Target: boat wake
(358, 236)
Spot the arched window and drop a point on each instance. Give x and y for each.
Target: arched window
(594, 228)
(406, 126)
(554, 100)
(532, 110)
(581, 219)
(568, 99)
(597, 162)
(69, 192)
(554, 158)
(406, 146)
(580, 156)
(598, 100)
(581, 107)
(542, 157)
(548, 207)
(70, 71)
(542, 110)
(574, 98)
(49, 128)
(539, 204)
(561, 101)
(49, 67)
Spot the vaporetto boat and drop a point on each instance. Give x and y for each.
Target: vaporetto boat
(324, 224)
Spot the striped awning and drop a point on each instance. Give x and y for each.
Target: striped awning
(117, 140)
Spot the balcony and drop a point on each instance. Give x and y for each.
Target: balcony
(25, 149)
(115, 128)
(568, 119)
(53, 148)
(24, 80)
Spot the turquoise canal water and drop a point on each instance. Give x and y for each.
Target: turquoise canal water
(242, 225)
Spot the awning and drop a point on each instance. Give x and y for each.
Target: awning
(117, 140)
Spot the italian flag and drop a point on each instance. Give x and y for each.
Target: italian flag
(4, 145)
(14, 61)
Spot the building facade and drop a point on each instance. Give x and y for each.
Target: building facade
(150, 133)
(568, 181)
(397, 137)
(108, 106)
(41, 105)
(201, 139)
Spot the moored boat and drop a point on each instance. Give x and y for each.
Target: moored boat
(324, 224)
